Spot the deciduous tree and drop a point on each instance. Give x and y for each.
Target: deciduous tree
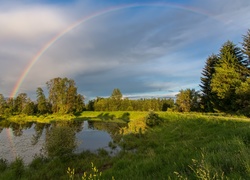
(62, 95)
(187, 100)
(42, 104)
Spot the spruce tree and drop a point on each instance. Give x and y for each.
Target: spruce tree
(228, 75)
(208, 96)
(243, 91)
(246, 47)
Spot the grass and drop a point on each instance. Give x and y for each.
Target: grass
(113, 116)
(184, 146)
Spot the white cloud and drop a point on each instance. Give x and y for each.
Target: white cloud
(30, 22)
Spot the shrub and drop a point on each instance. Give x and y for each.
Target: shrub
(17, 167)
(153, 119)
(3, 165)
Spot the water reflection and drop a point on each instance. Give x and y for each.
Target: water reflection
(38, 128)
(60, 141)
(58, 138)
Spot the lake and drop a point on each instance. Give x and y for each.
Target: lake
(27, 140)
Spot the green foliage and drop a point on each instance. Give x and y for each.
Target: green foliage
(246, 47)
(38, 162)
(60, 141)
(3, 105)
(3, 165)
(202, 170)
(63, 96)
(153, 119)
(20, 102)
(17, 167)
(208, 96)
(29, 108)
(188, 100)
(43, 106)
(10, 107)
(229, 73)
(94, 174)
(116, 94)
(243, 97)
(109, 104)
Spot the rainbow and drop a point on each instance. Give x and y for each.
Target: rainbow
(13, 149)
(92, 16)
(78, 23)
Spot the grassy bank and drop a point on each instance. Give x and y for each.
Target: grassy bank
(184, 146)
(115, 116)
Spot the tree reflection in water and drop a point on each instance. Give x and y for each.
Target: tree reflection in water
(60, 141)
(58, 138)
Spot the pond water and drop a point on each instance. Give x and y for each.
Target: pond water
(25, 140)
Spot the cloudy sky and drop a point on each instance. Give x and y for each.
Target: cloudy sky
(144, 48)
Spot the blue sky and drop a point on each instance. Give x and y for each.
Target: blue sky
(151, 49)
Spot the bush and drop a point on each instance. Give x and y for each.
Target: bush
(153, 119)
(3, 165)
(17, 167)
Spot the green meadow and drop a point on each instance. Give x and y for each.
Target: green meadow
(180, 146)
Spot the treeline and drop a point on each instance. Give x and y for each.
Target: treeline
(225, 83)
(116, 102)
(62, 98)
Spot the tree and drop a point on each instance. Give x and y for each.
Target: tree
(3, 105)
(229, 73)
(42, 104)
(90, 105)
(116, 94)
(80, 106)
(187, 100)
(243, 97)
(29, 107)
(20, 102)
(246, 47)
(10, 107)
(208, 97)
(62, 95)
(166, 103)
(115, 100)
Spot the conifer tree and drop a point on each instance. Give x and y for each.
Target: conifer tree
(208, 97)
(228, 75)
(246, 47)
